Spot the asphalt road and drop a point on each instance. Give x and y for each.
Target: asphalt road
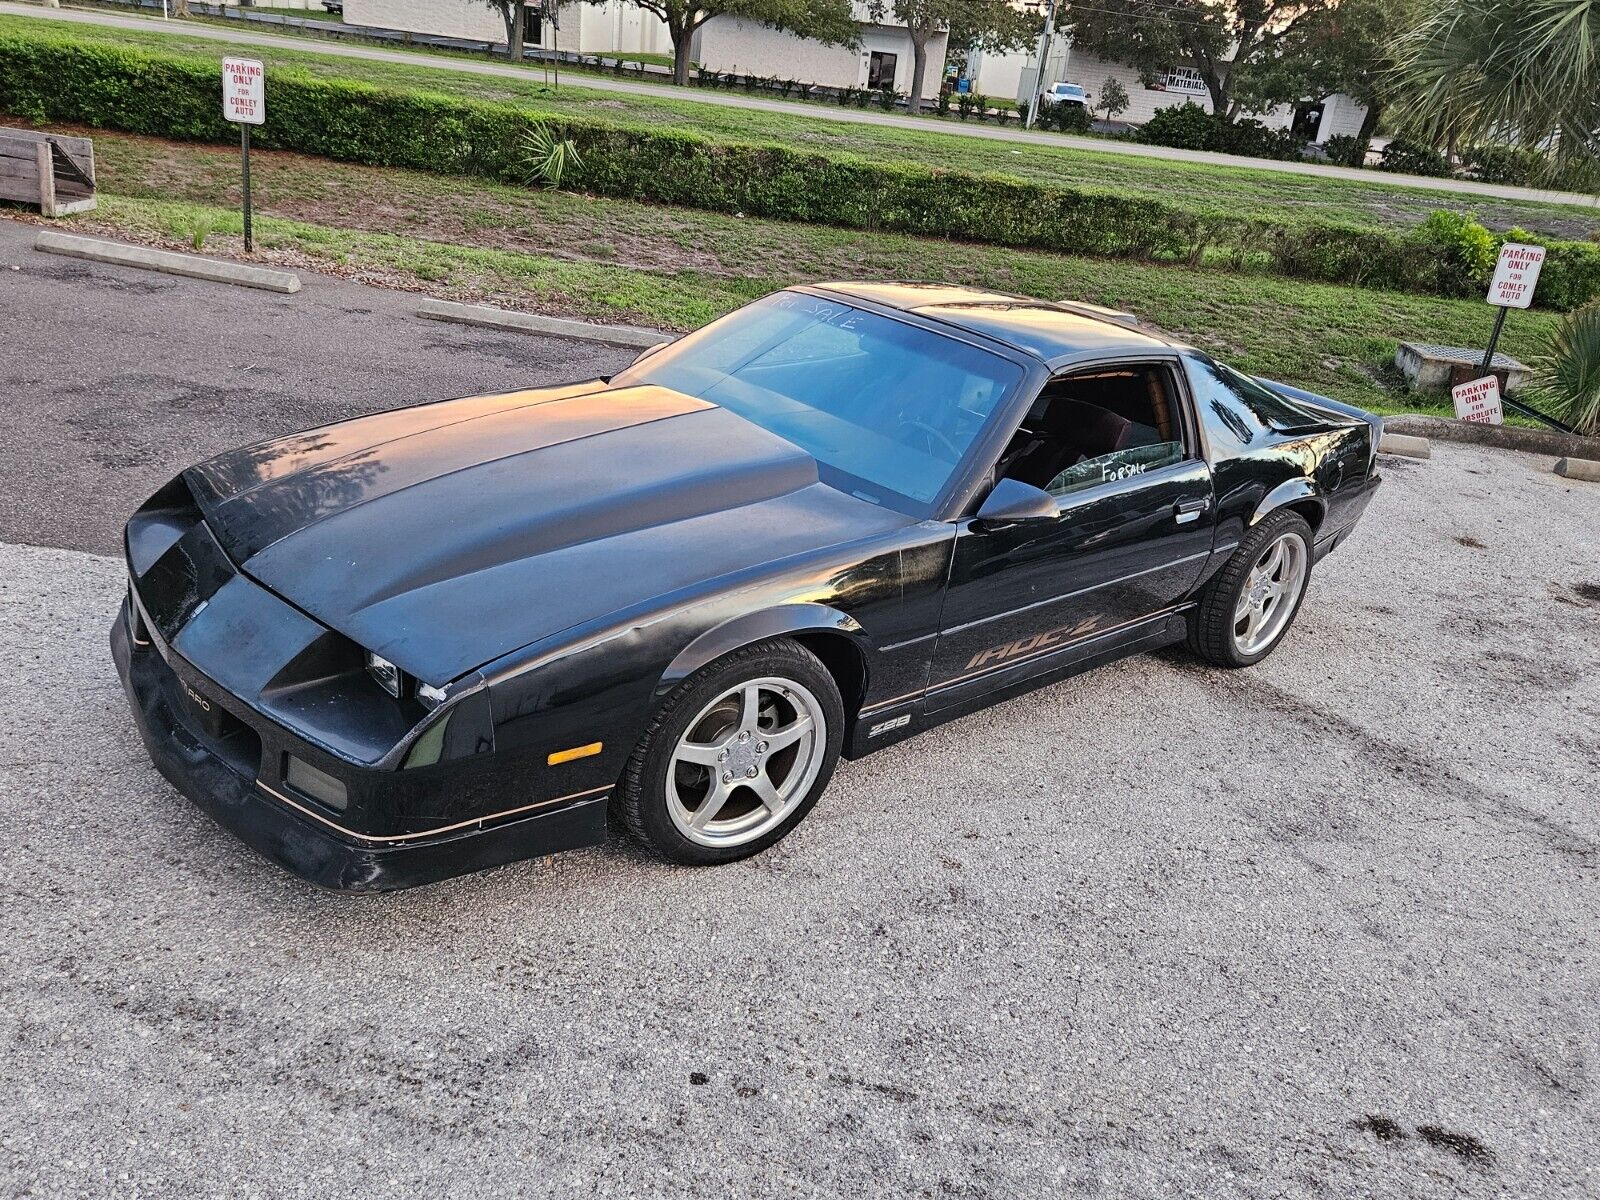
(115, 379)
(252, 37)
(1323, 928)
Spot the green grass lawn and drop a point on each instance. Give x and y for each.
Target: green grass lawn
(613, 260)
(1377, 202)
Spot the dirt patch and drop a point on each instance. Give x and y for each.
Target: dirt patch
(1463, 1145)
(1383, 1128)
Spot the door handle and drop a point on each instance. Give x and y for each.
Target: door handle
(1185, 511)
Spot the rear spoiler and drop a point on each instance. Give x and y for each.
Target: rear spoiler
(1325, 403)
(1332, 407)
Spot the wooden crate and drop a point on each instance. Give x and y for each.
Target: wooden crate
(56, 173)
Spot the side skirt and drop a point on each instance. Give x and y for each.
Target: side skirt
(886, 726)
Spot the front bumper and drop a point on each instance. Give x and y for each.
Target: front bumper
(221, 777)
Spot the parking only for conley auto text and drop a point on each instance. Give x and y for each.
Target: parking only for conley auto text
(1516, 274)
(244, 91)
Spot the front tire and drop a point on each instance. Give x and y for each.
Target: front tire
(1247, 609)
(735, 757)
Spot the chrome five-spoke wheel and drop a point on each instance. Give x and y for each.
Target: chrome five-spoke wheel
(1242, 614)
(745, 761)
(1270, 593)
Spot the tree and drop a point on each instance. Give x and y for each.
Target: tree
(830, 21)
(1113, 99)
(973, 24)
(511, 13)
(1349, 49)
(1524, 72)
(1223, 40)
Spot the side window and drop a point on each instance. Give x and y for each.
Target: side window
(1119, 464)
(1097, 427)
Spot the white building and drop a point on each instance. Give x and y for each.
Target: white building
(1012, 76)
(884, 59)
(586, 28)
(725, 44)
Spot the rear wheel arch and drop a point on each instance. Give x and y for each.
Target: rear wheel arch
(1299, 496)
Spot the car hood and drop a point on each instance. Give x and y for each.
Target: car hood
(448, 535)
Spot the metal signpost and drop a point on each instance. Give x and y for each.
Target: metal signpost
(1516, 274)
(244, 102)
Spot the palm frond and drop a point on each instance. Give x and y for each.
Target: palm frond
(546, 158)
(1516, 71)
(1567, 379)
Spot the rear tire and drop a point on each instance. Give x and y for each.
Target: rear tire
(735, 757)
(1245, 611)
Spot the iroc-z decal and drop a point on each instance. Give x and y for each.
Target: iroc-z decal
(1039, 641)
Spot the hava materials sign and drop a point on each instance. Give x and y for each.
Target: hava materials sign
(1516, 275)
(1479, 400)
(244, 91)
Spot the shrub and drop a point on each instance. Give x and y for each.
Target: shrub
(942, 107)
(1567, 379)
(177, 96)
(1072, 118)
(1184, 126)
(1250, 137)
(964, 105)
(1413, 158)
(1507, 164)
(1465, 251)
(1346, 150)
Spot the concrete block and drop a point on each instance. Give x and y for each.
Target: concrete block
(1579, 468)
(498, 318)
(1405, 445)
(190, 266)
(1430, 368)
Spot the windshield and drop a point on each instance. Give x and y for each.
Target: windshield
(886, 408)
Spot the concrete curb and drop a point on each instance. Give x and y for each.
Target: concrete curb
(482, 315)
(1579, 468)
(188, 265)
(1505, 437)
(1404, 445)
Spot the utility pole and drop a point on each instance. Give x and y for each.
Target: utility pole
(1044, 57)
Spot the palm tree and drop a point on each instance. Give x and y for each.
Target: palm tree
(1520, 71)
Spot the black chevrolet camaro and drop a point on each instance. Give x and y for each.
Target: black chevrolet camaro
(444, 637)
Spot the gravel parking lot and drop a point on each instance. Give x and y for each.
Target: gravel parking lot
(1326, 927)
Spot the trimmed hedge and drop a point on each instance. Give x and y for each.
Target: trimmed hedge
(49, 78)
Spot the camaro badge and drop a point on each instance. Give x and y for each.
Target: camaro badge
(893, 723)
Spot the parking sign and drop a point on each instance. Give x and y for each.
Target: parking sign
(1479, 400)
(1516, 275)
(244, 91)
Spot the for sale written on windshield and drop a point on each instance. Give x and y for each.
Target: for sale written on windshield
(1516, 274)
(244, 93)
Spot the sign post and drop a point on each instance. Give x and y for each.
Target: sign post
(244, 102)
(1516, 274)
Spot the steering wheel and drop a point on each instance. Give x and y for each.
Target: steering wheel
(934, 436)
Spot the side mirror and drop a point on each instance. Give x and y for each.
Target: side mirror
(1012, 502)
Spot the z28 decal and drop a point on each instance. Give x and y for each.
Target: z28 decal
(1039, 641)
